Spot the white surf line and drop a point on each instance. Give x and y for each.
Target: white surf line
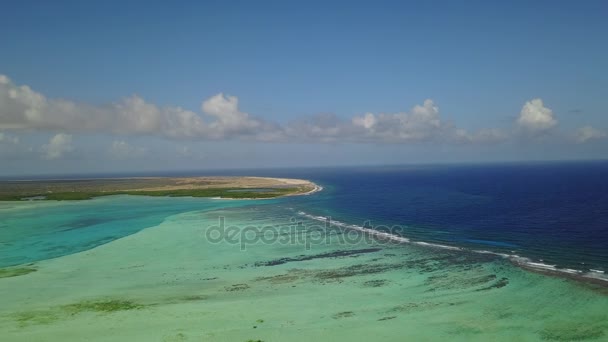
(523, 261)
(355, 227)
(526, 262)
(316, 189)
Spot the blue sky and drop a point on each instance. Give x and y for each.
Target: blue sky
(121, 87)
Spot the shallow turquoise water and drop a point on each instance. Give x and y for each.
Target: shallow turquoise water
(278, 276)
(32, 231)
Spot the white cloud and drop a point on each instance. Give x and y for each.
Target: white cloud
(534, 116)
(368, 121)
(587, 133)
(226, 110)
(23, 108)
(58, 146)
(421, 123)
(323, 127)
(122, 150)
(231, 122)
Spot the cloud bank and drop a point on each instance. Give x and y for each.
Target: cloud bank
(220, 118)
(23, 108)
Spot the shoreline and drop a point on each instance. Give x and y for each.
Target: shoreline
(317, 188)
(226, 187)
(302, 187)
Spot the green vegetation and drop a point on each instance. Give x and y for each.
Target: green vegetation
(15, 271)
(234, 193)
(569, 331)
(194, 298)
(102, 306)
(35, 317)
(56, 313)
(83, 189)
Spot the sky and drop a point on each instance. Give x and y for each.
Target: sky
(166, 86)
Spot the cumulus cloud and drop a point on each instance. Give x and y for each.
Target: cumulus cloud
(322, 127)
(534, 116)
(220, 118)
(120, 149)
(58, 146)
(24, 108)
(367, 121)
(229, 117)
(231, 122)
(421, 123)
(588, 133)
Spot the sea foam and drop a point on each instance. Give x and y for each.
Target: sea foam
(516, 259)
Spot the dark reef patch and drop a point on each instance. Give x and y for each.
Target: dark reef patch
(26, 318)
(502, 282)
(409, 307)
(463, 280)
(194, 298)
(343, 314)
(54, 314)
(15, 271)
(279, 279)
(336, 254)
(102, 306)
(236, 287)
(572, 332)
(355, 270)
(375, 283)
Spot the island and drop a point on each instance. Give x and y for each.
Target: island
(212, 186)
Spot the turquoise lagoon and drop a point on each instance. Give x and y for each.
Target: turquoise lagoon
(126, 268)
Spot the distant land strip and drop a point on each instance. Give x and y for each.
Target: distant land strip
(218, 187)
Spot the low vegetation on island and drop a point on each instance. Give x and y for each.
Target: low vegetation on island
(220, 187)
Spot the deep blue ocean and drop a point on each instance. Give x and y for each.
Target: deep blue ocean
(554, 213)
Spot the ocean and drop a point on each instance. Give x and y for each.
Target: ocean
(496, 252)
(552, 213)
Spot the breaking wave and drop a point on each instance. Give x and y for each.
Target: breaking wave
(522, 261)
